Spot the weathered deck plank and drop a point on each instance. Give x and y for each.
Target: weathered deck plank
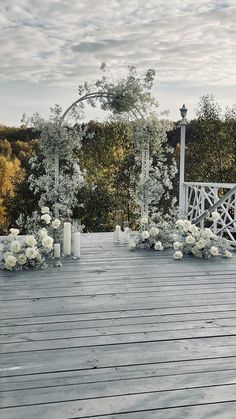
(119, 335)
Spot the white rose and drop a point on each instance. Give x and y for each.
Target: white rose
(201, 244)
(45, 210)
(43, 232)
(131, 245)
(228, 254)
(22, 259)
(47, 242)
(178, 255)
(207, 232)
(190, 239)
(158, 246)
(144, 220)
(31, 252)
(145, 234)
(215, 216)
(177, 245)
(46, 218)
(193, 229)
(31, 241)
(214, 251)
(14, 231)
(6, 254)
(187, 224)
(154, 231)
(179, 223)
(56, 223)
(8, 267)
(11, 260)
(15, 246)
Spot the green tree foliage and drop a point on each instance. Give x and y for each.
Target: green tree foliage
(106, 158)
(210, 153)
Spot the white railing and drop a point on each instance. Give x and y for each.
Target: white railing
(203, 198)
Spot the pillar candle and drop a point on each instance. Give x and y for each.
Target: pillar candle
(126, 234)
(117, 234)
(67, 239)
(77, 244)
(57, 250)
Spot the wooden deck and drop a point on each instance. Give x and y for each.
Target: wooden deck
(119, 335)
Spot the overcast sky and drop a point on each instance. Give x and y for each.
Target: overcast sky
(49, 46)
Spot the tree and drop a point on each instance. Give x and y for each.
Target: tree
(210, 152)
(11, 175)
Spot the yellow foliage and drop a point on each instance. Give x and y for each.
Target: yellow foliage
(11, 174)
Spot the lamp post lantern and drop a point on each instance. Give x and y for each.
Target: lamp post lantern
(182, 197)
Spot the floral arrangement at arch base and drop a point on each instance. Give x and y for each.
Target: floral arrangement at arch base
(34, 250)
(156, 236)
(183, 236)
(201, 243)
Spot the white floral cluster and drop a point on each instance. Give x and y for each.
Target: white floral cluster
(35, 249)
(202, 243)
(156, 190)
(151, 236)
(183, 236)
(57, 139)
(30, 252)
(39, 220)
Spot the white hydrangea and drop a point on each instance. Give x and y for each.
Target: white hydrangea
(178, 255)
(10, 261)
(144, 220)
(177, 245)
(158, 246)
(15, 246)
(22, 259)
(145, 234)
(46, 218)
(47, 242)
(56, 223)
(190, 239)
(214, 251)
(45, 210)
(154, 231)
(14, 231)
(31, 240)
(31, 252)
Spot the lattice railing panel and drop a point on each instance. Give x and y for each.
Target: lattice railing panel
(221, 197)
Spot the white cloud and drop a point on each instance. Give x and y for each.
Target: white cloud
(64, 42)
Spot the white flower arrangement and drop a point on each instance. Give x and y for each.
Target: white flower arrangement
(183, 236)
(33, 251)
(152, 236)
(202, 243)
(25, 253)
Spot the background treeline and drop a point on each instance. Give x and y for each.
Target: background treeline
(106, 156)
